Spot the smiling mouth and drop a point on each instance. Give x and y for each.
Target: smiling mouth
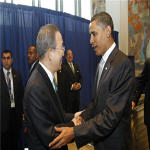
(94, 47)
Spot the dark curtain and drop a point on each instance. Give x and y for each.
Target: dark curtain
(19, 26)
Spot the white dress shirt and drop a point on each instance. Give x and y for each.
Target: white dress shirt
(103, 61)
(50, 75)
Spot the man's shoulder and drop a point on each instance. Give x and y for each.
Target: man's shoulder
(64, 66)
(120, 61)
(117, 56)
(38, 77)
(16, 73)
(35, 76)
(147, 61)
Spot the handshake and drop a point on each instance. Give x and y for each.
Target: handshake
(66, 133)
(77, 120)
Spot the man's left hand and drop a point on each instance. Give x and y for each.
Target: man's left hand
(77, 121)
(65, 136)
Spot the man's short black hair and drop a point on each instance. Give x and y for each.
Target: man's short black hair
(6, 51)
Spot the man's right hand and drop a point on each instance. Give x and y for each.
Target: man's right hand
(74, 86)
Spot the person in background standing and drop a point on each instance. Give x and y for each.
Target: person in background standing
(32, 58)
(143, 87)
(11, 102)
(71, 84)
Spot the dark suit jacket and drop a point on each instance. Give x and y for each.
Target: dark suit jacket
(71, 100)
(5, 101)
(108, 116)
(43, 110)
(61, 90)
(143, 86)
(33, 67)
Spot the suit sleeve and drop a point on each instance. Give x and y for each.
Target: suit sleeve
(68, 117)
(89, 112)
(40, 113)
(106, 121)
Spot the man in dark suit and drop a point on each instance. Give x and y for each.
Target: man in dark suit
(70, 82)
(42, 106)
(143, 86)
(11, 102)
(32, 58)
(107, 118)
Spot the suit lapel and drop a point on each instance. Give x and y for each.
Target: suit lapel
(107, 67)
(69, 68)
(4, 81)
(95, 81)
(56, 100)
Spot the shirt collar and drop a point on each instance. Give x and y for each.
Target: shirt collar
(5, 71)
(50, 75)
(108, 52)
(33, 64)
(69, 62)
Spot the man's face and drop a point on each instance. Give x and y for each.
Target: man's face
(7, 60)
(58, 52)
(98, 38)
(69, 56)
(32, 55)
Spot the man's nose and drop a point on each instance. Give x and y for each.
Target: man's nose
(91, 40)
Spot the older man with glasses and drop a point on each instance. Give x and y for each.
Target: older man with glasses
(42, 106)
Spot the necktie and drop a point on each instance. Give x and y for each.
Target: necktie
(101, 66)
(8, 82)
(9, 89)
(54, 85)
(72, 67)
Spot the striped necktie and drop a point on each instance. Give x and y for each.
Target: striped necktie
(72, 68)
(54, 85)
(100, 69)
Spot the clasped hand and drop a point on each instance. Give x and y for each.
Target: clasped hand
(76, 86)
(66, 134)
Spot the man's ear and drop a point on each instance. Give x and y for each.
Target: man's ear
(108, 31)
(49, 53)
(37, 57)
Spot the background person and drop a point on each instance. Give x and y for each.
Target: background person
(11, 102)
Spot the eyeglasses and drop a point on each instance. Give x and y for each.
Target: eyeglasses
(63, 48)
(6, 58)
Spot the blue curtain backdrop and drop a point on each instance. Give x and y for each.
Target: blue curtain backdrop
(19, 26)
